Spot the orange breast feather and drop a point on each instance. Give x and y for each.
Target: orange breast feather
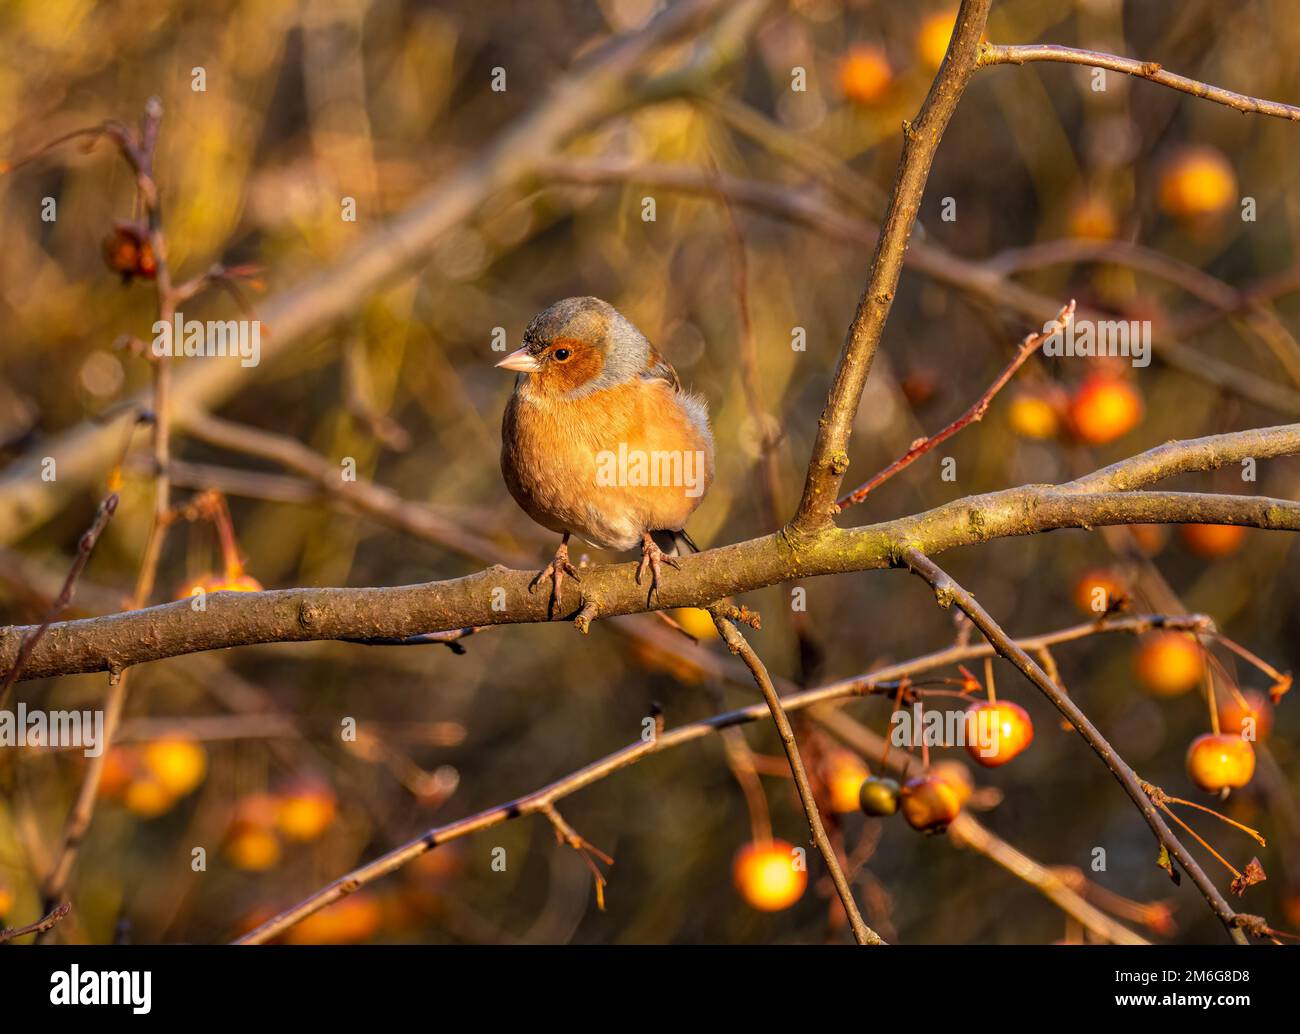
(607, 466)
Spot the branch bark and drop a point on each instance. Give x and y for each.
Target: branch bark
(792, 700)
(921, 139)
(739, 645)
(48, 922)
(947, 592)
(991, 54)
(297, 615)
(967, 831)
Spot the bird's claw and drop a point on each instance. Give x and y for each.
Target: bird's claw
(556, 570)
(653, 558)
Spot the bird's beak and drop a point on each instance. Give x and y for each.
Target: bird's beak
(519, 360)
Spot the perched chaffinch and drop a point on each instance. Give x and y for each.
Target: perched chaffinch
(600, 440)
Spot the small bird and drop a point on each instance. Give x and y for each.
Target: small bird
(601, 441)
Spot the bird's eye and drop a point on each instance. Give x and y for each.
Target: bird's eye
(561, 355)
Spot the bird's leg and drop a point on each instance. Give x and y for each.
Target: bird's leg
(556, 570)
(653, 557)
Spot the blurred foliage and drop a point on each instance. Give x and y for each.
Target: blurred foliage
(308, 102)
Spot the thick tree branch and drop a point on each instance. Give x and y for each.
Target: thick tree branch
(991, 54)
(948, 592)
(1191, 454)
(298, 615)
(921, 139)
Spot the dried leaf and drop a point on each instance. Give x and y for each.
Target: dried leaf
(1254, 874)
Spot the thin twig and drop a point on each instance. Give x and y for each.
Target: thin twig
(991, 54)
(566, 834)
(1252, 833)
(85, 546)
(977, 280)
(39, 927)
(921, 137)
(947, 592)
(739, 645)
(83, 809)
(885, 679)
(1028, 346)
(967, 831)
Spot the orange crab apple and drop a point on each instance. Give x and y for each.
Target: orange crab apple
(1248, 714)
(845, 773)
(128, 252)
(1091, 217)
(1220, 761)
(148, 798)
(1212, 540)
(930, 803)
(956, 775)
(178, 763)
(253, 850)
(933, 36)
(996, 731)
(696, 621)
(120, 767)
(1033, 416)
(239, 583)
(1105, 407)
(251, 843)
(1150, 538)
(233, 580)
(356, 917)
(199, 583)
(767, 876)
(1169, 663)
(305, 810)
(236, 579)
(1098, 591)
(1198, 183)
(865, 74)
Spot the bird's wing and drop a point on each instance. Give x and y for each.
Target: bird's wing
(660, 369)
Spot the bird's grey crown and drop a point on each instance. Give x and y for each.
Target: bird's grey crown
(626, 350)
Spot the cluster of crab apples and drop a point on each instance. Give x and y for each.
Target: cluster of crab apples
(771, 874)
(997, 731)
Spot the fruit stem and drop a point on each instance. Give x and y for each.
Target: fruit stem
(1250, 658)
(1210, 679)
(1160, 803)
(230, 557)
(1221, 817)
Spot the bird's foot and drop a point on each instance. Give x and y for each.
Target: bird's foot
(653, 558)
(556, 570)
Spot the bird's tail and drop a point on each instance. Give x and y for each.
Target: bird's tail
(674, 543)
